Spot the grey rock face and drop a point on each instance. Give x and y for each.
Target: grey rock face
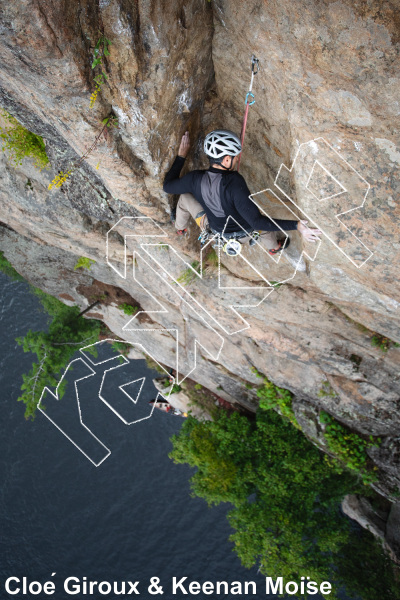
(393, 529)
(382, 521)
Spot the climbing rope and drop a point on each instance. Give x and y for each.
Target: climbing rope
(230, 243)
(249, 101)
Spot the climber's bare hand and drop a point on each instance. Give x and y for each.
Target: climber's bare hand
(185, 145)
(310, 235)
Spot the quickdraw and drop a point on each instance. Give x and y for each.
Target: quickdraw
(249, 101)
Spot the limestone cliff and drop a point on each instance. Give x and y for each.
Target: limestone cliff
(327, 109)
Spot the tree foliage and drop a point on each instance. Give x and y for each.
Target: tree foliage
(349, 448)
(54, 349)
(286, 500)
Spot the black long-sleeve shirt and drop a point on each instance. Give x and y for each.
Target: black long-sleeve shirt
(234, 195)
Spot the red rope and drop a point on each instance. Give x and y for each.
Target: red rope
(242, 134)
(254, 71)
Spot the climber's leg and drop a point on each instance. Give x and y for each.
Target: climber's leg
(189, 207)
(269, 239)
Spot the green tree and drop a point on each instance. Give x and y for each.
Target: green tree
(67, 333)
(349, 448)
(285, 498)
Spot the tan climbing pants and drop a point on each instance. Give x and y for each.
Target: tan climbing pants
(189, 207)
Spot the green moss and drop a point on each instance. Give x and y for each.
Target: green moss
(128, 309)
(383, 343)
(189, 274)
(326, 390)
(162, 247)
(377, 340)
(212, 259)
(84, 263)
(21, 143)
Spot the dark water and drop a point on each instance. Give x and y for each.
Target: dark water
(132, 518)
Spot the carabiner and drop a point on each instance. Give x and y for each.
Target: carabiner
(247, 96)
(255, 67)
(203, 237)
(232, 247)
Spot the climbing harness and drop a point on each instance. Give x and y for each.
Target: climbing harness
(204, 236)
(249, 101)
(228, 242)
(254, 238)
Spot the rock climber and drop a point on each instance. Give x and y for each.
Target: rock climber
(212, 196)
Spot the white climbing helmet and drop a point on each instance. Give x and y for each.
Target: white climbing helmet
(221, 142)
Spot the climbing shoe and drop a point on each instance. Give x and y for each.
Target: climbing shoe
(283, 244)
(181, 231)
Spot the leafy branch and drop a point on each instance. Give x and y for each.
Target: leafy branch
(349, 447)
(101, 50)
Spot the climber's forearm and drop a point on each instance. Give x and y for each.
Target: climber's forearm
(172, 183)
